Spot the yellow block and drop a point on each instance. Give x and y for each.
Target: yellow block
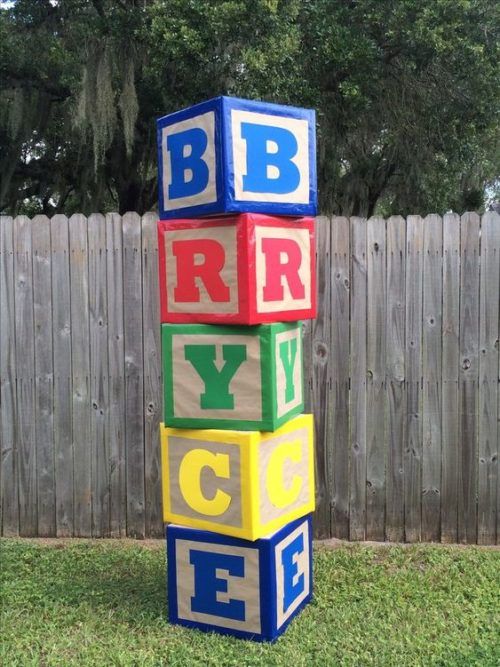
(241, 483)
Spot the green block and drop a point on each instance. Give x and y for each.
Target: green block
(242, 378)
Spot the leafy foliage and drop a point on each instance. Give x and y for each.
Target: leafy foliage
(407, 95)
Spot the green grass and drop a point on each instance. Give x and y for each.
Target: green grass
(103, 603)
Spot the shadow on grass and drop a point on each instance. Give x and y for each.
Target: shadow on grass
(129, 584)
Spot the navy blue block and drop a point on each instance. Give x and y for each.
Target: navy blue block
(230, 155)
(232, 586)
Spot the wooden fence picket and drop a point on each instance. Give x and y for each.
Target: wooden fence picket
(9, 487)
(116, 382)
(338, 453)
(134, 373)
(44, 377)
(358, 372)
(432, 377)
(449, 374)
(413, 364)
(375, 379)
(81, 410)
(63, 380)
(320, 372)
(468, 378)
(395, 377)
(489, 334)
(25, 376)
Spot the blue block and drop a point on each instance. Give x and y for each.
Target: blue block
(236, 587)
(231, 155)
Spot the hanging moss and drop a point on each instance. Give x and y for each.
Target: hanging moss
(81, 118)
(106, 84)
(104, 116)
(96, 106)
(129, 106)
(15, 111)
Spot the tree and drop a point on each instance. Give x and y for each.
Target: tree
(71, 115)
(406, 92)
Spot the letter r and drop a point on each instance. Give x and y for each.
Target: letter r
(213, 257)
(277, 267)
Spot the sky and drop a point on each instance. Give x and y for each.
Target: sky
(7, 4)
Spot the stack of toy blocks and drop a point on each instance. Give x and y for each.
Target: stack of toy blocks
(237, 273)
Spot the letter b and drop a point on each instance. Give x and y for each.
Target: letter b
(188, 168)
(269, 159)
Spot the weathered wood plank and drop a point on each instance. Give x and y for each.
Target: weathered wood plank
(375, 383)
(44, 376)
(357, 400)
(25, 371)
(134, 374)
(61, 338)
(468, 377)
(116, 359)
(152, 376)
(9, 489)
(1, 375)
(98, 323)
(338, 452)
(450, 363)
(413, 369)
(321, 381)
(489, 298)
(395, 377)
(431, 368)
(80, 363)
(307, 326)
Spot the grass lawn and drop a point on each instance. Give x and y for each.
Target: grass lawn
(103, 603)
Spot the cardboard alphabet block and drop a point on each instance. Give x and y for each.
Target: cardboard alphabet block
(243, 484)
(232, 586)
(245, 269)
(248, 378)
(228, 154)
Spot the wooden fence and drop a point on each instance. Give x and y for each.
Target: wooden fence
(402, 367)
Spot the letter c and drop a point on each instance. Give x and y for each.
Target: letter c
(280, 495)
(189, 481)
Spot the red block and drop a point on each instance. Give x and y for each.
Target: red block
(242, 269)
